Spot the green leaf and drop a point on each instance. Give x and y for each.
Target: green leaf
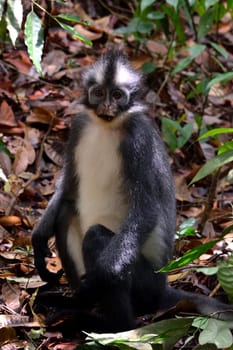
(145, 4)
(169, 129)
(72, 18)
(215, 132)
(212, 165)
(145, 27)
(219, 49)
(216, 333)
(189, 256)
(227, 230)
(225, 276)
(35, 334)
(173, 3)
(194, 52)
(3, 29)
(14, 17)
(229, 4)
(148, 67)
(182, 64)
(185, 134)
(205, 23)
(220, 78)
(196, 49)
(130, 28)
(227, 146)
(74, 32)
(209, 3)
(200, 322)
(3, 148)
(2, 2)
(208, 271)
(167, 332)
(155, 15)
(34, 39)
(179, 26)
(187, 223)
(69, 17)
(186, 228)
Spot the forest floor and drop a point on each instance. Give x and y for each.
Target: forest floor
(35, 116)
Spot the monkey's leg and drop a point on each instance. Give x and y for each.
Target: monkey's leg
(113, 302)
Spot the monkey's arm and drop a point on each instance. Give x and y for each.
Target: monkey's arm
(43, 231)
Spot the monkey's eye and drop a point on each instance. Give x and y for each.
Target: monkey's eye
(98, 92)
(117, 94)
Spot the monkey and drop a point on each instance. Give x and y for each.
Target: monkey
(114, 211)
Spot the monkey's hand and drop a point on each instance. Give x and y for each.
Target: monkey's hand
(41, 251)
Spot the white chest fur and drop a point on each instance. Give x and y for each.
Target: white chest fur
(101, 199)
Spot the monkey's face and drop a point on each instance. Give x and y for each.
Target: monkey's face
(108, 102)
(112, 88)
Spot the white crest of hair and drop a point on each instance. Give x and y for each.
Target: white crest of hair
(125, 75)
(97, 71)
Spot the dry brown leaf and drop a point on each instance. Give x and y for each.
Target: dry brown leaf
(52, 153)
(16, 320)
(26, 269)
(11, 255)
(177, 276)
(21, 160)
(3, 233)
(53, 62)
(19, 59)
(7, 117)
(182, 191)
(5, 163)
(10, 220)
(32, 135)
(10, 295)
(42, 115)
(156, 48)
(102, 23)
(67, 346)
(6, 333)
(5, 200)
(31, 154)
(225, 27)
(88, 33)
(138, 61)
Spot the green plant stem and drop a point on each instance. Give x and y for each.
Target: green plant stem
(41, 8)
(215, 59)
(192, 20)
(209, 200)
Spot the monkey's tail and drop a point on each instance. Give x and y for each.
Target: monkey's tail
(200, 304)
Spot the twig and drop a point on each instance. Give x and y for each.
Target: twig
(215, 290)
(210, 200)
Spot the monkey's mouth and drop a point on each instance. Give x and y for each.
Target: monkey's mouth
(107, 118)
